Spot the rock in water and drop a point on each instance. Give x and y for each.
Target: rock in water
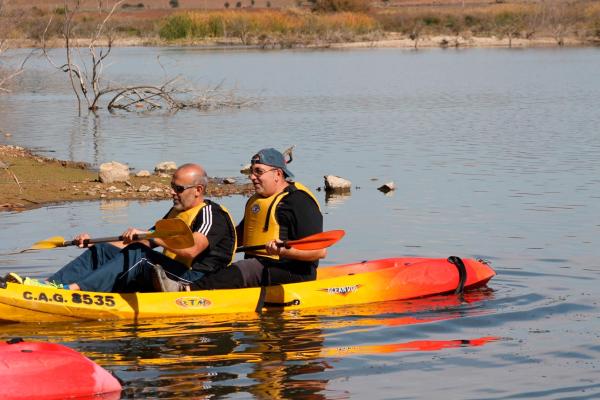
(335, 183)
(387, 187)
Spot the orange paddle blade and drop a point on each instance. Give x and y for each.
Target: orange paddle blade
(317, 241)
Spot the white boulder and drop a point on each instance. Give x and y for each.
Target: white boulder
(113, 172)
(335, 183)
(165, 167)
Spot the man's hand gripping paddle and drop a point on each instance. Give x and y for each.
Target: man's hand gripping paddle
(174, 232)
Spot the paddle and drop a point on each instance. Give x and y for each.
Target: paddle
(174, 232)
(317, 241)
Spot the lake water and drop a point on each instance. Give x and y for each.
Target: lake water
(495, 154)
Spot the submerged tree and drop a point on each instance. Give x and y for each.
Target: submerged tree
(85, 72)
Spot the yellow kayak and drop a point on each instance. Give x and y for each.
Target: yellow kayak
(359, 283)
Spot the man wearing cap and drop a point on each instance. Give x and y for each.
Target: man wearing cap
(280, 209)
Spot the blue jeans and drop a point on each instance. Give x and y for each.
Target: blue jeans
(107, 268)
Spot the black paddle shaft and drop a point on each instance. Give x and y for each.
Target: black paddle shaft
(260, 247)
(87, 242)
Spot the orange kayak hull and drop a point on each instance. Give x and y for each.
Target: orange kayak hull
(335, 286)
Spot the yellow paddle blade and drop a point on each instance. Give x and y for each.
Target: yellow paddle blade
(175, 232)
(50, 243)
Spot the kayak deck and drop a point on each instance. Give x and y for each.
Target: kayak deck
(358, 283)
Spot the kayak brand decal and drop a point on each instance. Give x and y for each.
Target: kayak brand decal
(193, 302)
(342, 290)
(77, 298)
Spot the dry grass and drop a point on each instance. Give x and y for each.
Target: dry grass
(290, 22)
(552, 18)
(267, 27)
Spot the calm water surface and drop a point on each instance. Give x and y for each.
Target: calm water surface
(495, 153)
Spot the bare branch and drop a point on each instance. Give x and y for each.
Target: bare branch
(101, 26)
(69, 66)
(172, 95)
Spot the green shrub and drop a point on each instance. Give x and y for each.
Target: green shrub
(430, 20)
(127, 5)
(177, 26)
(471, 20)
(453, 24)
(215, 26)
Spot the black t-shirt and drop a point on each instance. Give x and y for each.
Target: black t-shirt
(298, 216)
(214, 223)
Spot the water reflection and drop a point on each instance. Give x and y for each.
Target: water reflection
(273, 355)
(334, 200)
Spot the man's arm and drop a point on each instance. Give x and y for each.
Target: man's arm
(200, 244)
(274, 247)
(298, 216)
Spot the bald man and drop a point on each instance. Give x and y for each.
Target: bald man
(127, 266)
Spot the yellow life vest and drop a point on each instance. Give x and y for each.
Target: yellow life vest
(260, 224)
(188, 216)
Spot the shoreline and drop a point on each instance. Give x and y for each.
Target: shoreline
(30, 181)
(389, 40)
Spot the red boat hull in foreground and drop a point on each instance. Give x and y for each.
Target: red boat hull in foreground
(37, 370)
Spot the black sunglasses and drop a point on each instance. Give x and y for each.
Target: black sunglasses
(180, 189)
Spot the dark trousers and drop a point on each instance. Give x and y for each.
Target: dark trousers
(251, 273)
(107, 268)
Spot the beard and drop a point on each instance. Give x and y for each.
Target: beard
(177, 205)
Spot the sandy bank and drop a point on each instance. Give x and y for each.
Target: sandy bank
(28, 181)
(389, 40)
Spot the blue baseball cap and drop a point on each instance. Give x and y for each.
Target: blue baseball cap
(273, 158)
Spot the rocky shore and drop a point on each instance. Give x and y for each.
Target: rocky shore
(29, 181)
